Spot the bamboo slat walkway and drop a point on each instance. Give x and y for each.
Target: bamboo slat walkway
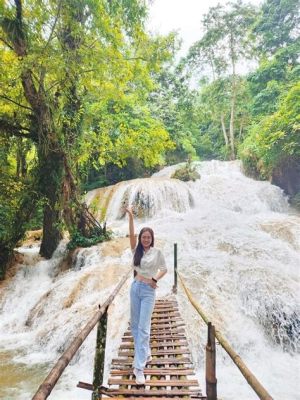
(168, 375)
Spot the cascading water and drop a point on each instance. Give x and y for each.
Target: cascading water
(239, 247)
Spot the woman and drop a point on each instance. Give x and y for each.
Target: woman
(149, 266)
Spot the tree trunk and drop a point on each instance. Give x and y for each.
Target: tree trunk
(50, 183)
(231, 125)
(5, 257)
(21, 158)
(233, 100)
(50, 160)
(224, 131)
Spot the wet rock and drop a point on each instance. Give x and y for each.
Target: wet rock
(287, 176)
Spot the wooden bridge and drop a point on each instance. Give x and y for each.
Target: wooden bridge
(170, 373)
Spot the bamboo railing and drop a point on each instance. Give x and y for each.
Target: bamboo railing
(249, 376)
(46, 387)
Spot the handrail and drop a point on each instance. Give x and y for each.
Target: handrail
(46, 387)
(251, 379)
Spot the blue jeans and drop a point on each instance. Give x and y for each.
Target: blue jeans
(142, 299)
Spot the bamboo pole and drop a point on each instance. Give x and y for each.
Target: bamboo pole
(175, 269)
(100, 352)
(46, 387)
(249, 376)
(211, 381)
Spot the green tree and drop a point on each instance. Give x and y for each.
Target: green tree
(276, 138)
(173, 102)
(62, 61)
(272, 147)
(225, 42)
(277, 25)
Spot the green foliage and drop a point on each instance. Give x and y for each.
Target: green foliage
(78, 240)
(74, 81)
(226, 41)
(36, 220)
(271, 80)
(10, 193)
(186, 173)
(86, 187)
(277, 24)
(174, 104)
(275, 137)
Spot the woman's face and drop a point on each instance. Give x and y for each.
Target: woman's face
(146, 239)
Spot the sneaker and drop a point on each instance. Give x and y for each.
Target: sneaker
(139, 376)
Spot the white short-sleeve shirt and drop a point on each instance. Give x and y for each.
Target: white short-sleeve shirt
(152, 261)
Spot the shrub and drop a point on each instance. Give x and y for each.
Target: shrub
(78, 240)
(186, 173)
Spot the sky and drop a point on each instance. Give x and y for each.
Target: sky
(183, 16)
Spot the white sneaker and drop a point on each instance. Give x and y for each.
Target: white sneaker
(139, 376)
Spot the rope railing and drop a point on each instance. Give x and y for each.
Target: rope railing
(248, 375)
(48, 384)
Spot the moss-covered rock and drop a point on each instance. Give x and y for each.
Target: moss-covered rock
(186, 173)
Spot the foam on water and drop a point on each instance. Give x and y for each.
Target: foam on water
(238, 249)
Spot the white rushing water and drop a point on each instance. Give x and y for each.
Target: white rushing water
(238, 250)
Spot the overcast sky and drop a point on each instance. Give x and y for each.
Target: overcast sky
(183, 16)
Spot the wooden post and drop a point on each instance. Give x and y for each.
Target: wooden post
(175, 269)
(211, 381)
(100, 354)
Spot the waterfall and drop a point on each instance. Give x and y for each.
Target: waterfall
(238, 251)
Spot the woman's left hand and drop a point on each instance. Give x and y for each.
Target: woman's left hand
(153, 284)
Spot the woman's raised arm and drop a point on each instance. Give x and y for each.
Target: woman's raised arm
(132, 236)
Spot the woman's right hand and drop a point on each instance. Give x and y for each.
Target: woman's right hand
(132, 237)
(129, 210)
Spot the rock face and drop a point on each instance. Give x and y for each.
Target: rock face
(287, 176)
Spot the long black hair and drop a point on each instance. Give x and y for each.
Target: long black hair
(139, 251)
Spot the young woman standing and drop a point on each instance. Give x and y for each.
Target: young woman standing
(149, 266)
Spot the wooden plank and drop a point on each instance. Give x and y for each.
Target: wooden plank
(156, 352)
(160, 398)
(183, 343)
(168, 311)
(156, 361)
(164, 316)
(164, 328)
(161, 321)
(155, 371)
(162, 337)
(155, 383)
(171, 331)
(144, 392)
(84, 385)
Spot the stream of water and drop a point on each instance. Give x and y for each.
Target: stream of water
(238, 250)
